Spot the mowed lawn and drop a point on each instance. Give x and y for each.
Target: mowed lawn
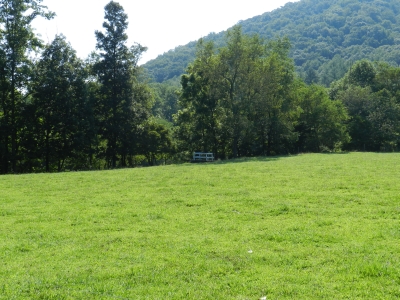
(302, 227)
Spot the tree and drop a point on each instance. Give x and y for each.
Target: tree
(59, 99)
(273, 105)
(238, 60)
(16, 41)
(116, 70)
(156, 142)
(199, 119)
(333, 70)
(4, 115)
(362, 73)
(322, 122)
(385, 121)
(215, 95)
(370, 94)
(238, 102)
(357, 101)
(311, 77)
(387, 77)
(166, 98)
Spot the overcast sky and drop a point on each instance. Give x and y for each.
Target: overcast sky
(160, 25)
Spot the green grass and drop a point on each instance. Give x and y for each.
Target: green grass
(303, 227)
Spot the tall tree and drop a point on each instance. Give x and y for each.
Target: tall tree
(311, 77)
(201, 112)
(273, 104)
(358, 102)
(59, 99)
(237, 101)
(238, 60)
(116, 71)
(17, 39)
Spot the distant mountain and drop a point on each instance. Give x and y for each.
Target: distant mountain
(326, 36)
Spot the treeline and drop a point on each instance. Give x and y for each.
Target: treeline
(58, 112)
(245, 99)
(371, 94)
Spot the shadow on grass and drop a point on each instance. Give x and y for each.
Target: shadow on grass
(242, 160)
(335, 153)
(273, 158)
(250, 159)
(234, 161)
(258, 159)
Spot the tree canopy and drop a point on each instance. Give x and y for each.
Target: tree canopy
(320, 31)
(245, 100)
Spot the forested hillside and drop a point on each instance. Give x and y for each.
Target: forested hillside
(326, 37)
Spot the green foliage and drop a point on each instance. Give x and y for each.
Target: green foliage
(311, 77)
(243, 100)
(320, 226)
(319, 31)
(275, 105)
(332, 70)
(16, 41)
(121, 101)
(165, 99)
(357, 101)
(321, 124)
(240, 96)
(370, 93)
(59, 102)
(362, 74)
(200, 114)
(385, 120)
(155, 142)
(58, 113)
(235, 102)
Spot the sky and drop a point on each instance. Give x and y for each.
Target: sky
(160, 25)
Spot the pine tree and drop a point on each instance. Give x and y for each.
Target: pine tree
(116, 70)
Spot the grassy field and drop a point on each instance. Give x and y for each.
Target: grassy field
(303, 227)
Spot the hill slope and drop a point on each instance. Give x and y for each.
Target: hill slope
(320, 30)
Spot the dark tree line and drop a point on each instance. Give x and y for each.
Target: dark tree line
(58, 112)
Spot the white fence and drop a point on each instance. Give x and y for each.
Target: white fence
(202, 157)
